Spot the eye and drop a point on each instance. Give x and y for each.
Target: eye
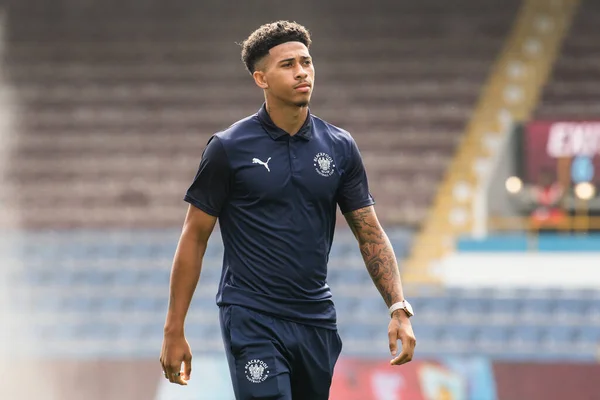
(288, 64)
(307, 62)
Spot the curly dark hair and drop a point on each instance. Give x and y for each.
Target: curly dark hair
(258, 44)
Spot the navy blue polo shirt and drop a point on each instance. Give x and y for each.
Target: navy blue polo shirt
(276, 195)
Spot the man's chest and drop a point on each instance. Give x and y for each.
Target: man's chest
(287, 167)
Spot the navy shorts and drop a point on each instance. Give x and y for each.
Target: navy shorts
(275, 359)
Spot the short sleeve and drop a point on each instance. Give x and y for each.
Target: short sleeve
(353, 192)
(211, 186)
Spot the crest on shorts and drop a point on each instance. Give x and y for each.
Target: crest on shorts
(257, 371)
(323, 164)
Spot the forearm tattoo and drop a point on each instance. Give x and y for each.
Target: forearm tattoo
(377, 253)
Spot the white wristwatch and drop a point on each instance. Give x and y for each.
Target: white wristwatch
(402, 305)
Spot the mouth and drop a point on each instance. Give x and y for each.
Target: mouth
(303, 87)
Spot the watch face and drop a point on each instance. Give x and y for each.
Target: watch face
(409, 308)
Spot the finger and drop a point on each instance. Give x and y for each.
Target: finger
(402, 358)
(164, 369)
(172, 371)
(175, 375)
(187, 367)
(393, 338)
(178, 379)
(408, 350)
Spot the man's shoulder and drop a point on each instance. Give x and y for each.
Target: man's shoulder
(240, 129)
(334, 132)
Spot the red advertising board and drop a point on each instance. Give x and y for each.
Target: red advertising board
(547, 381)
(548, 141)
(448, 379)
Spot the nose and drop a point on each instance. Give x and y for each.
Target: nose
(301, 73)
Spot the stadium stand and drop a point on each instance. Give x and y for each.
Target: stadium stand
(114, 110)
(96, 283)
(572, 91)
(113, 113)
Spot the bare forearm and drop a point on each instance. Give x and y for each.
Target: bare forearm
(382, 266)
(185, 273)
(378, 254)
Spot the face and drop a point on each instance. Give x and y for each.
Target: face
(287, 74)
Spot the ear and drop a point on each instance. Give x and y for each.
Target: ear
(260, 79)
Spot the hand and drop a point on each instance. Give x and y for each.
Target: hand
(175, 351)
(400, 328)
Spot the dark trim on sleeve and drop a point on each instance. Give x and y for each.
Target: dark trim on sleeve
(358, 206)
(200, 206)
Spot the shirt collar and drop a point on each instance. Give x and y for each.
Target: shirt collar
(275, 132)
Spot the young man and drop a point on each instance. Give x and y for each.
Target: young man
(274, 181)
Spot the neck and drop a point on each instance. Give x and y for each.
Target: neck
(290, 118)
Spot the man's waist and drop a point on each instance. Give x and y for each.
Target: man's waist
(312, 311)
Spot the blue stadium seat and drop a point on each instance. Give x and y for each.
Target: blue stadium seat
(127, 277)
(107, 251)
(506, 306)
(57, 332)
(159, 251)
(197, 330)
(37, 276)
(558, 335)
(210, 273)
(364, 332)
(593, 308)
(148, 304)
(566, 308)
(435, 306)
(90, 276)
(579, 294)
(130, 331)
(344, 245)
(62, 277)
(525, 334)
(537, 307)
(158, 277)
(110, 304)
(214, 251)
(77, 304)
(139, 250)
(427, 333)
(587, 334)
(491, 334)
(152, 330)
(95, 330)
(47, 304)
(417, 303)
(346, 305)
(204, 302)
(459, 293)
(472, 306)
(337, 276)
(457, 333)
(371, 306)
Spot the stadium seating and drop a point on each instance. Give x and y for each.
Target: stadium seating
(115, 104)
(572, 91)
(91, 299)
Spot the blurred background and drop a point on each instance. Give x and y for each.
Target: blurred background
(479, 124)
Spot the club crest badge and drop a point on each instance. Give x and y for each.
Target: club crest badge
(257, 371)
(323, 164)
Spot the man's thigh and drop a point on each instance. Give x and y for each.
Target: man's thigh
(258, 369)
(313, 367)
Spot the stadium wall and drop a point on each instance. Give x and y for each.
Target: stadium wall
(518, 260)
